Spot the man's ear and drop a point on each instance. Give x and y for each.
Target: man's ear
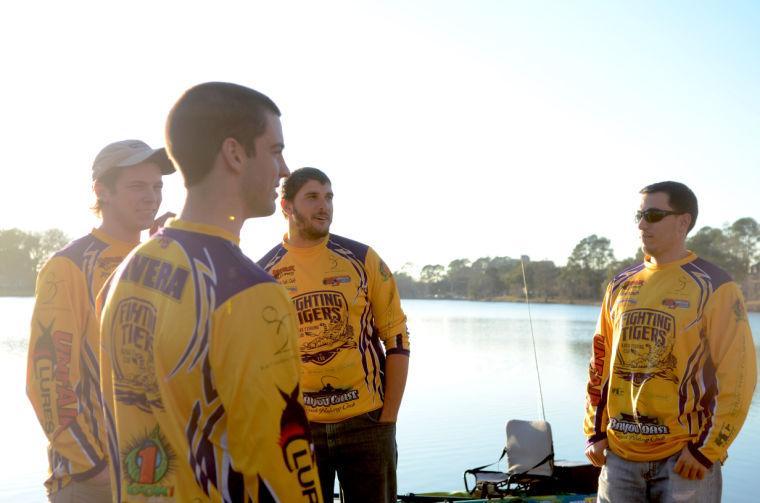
(686, 219)
(233, 153)
(286, 206)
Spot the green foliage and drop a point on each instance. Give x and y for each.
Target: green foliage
(587, 268)
(459, 274)
(592, 253)
(432, 273)
(434, 281)
(407, 287)
(22, 254)
(718, 247)
(590, 266)
(736, 247)
(744, 236)
(50, 242)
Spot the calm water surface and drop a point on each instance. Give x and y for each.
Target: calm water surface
(472, 369)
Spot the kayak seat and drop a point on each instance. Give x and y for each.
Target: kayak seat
(531, 467)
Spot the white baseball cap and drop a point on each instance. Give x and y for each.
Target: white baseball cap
(125, 153)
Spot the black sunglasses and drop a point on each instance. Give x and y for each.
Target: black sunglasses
(654, 215)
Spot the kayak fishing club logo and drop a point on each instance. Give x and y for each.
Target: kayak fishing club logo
(329, 396)
(645, 349)
(324, 327)
(295, 442)
(132, 330)
(147, 462)
(638, 425)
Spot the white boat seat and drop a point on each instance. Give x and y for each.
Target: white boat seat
(530, 454)
(530, 450)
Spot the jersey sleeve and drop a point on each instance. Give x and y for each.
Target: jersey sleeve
(390, 320)
(59, 321)
(731, 379)
(256, 369)
(595, 421)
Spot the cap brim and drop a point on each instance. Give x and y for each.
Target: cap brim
(159, 156)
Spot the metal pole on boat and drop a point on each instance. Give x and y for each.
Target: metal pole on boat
(533, 338)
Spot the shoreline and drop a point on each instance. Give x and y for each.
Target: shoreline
(753, 306)
(516, 300)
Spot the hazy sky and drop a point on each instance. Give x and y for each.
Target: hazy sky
(449, 129)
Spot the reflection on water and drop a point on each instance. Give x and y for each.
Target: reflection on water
(472, 369)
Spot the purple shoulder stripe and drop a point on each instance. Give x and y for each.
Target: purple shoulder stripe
(79, 250)
(358, 249)
(626, 273)
(273, 256)
(234, 271)
(714, 274)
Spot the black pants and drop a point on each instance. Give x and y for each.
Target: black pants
(363, 453)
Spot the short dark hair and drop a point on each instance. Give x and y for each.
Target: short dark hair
(206, 115)
(680, 197)
(298, 179)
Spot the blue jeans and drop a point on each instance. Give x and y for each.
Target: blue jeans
(363, 453)
(623, 481)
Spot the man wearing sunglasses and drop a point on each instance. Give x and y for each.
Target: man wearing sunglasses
(673, 367)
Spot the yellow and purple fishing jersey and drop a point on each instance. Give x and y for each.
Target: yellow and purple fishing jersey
(673, 362)
(62, 368)
(200, 375)
(348, 308)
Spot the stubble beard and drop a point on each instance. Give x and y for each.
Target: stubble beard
(307, 230)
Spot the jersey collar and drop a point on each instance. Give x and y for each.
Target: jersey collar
(212, 230)
(112, 241)
(676, 263)
(305, 251)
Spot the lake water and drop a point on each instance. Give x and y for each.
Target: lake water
(472, 369)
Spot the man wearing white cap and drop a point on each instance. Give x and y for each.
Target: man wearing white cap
(62, 370)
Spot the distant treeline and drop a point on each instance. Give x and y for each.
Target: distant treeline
(22, 254)
(590, 266)
(735, 248)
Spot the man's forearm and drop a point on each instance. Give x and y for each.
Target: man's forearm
(396, 370)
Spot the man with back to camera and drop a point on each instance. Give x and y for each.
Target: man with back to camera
(347, 304)
(62, 372)
(673, 367)
(201, 369)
